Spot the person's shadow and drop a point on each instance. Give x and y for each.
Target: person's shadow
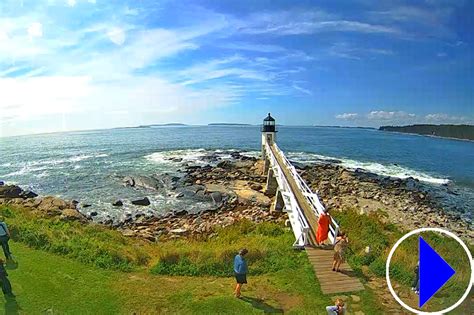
(259, 304)
(11, 306)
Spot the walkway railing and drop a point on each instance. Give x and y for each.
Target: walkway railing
(299, 220)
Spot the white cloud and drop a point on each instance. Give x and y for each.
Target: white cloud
(347, 116)
(116, 35)
(302, 90)
(71, 3)
(445, 118)
(254, 47)
(46, 95)
(35, 30)
(384, 115)
(307, 22)
(74, 95)
(351, 51)
(220, 68)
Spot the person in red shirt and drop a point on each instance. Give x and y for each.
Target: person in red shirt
(323, 227)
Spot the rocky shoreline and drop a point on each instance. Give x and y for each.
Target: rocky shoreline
(233, 190)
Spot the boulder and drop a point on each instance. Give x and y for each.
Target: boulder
(10, 191)
(128, 181)
(225, 164)
(145, 182)
(180, 212)
(117, 203)
(179, 231)
(141, 202)
(216, 197)
(29, 194)
(50, 203)
(71, 215)
(128, 233)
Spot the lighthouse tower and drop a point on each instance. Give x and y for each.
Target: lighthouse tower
(268, 132)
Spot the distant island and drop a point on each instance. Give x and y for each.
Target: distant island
(162, 125)
(349, 127)
(465, 132)
(228, 124)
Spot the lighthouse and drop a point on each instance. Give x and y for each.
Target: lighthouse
(268, 132)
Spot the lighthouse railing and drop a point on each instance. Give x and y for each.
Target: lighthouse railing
(311, 197)
(298, 221)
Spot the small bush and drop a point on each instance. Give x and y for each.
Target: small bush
(378, 267)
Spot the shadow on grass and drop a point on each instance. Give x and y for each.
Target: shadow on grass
(349, 273)
(11, 306)
(260, 305)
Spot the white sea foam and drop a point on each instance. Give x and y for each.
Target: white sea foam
(172, 157)
(194, 156)
(41, 165)
(391, 170)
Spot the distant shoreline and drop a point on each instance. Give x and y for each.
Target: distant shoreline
(429, 136)
(458, 132)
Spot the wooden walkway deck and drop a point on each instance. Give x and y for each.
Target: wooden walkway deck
(308, 213)
(330, 281)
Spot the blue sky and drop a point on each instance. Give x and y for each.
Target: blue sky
(86, 64)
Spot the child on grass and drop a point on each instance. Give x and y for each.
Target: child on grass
(337, 308)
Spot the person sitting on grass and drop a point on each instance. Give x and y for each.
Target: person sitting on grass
(4, 238)
(337, 309)
(240, 270)
(342, 242)
(5, 283)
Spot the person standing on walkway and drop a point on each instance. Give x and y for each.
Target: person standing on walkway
(4, 238)
(240, 270)
(323, 227)
(342, 242)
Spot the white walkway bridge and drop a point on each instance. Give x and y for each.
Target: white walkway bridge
(295, 197)
(303, 206)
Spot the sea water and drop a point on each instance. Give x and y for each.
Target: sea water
(89, 166)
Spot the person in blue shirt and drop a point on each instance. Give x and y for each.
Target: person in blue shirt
(4, 238)
(240, 270)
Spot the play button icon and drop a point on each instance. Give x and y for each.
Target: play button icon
(434, 271)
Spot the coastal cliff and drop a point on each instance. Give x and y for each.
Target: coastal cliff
(465, 132)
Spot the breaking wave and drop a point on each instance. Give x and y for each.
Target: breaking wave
(392, 170)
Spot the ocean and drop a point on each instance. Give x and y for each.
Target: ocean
(89, 166)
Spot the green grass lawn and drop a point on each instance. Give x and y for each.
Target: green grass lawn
(67, 267)
(48, 283)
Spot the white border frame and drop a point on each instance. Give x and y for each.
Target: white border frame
(417, 231)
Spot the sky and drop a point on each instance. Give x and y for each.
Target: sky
(92, 64)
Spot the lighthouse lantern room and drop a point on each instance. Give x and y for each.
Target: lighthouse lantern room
(268, 132)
